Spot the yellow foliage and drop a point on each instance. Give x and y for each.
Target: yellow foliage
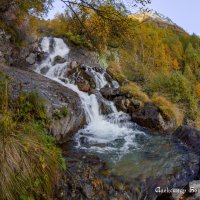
(197, 90)
(136, 91)
(175, 64)
(114, 69)
(169, 109)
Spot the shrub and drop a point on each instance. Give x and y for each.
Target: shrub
(169, 109)
(136, 91)
(114, 70)
(30, 106)
(178, 88)
(175, 85)
(62, 112)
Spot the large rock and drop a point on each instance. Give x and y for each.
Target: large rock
(189, 136)
(32, 58)
(56, 96)
(59, 60)
(150, 116)
(109, 93)
(83, 85)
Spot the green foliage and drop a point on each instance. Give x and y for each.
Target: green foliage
(61, 113)
(4, 89)
(178, 88)
(30, 106)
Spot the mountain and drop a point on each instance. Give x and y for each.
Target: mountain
(158, 18)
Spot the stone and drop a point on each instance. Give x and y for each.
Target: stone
(56, 96)
(31, 59)
(88, 191)
(59, 60)
(73, 64)
(109, 93)
(84, 86)
(44, 70)
(189, 136)
(151, 117)
(120, 103)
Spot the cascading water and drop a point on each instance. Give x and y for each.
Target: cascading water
(129, 150)
(100, 129)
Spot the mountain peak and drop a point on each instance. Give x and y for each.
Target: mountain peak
(160, 19)
(153, 15)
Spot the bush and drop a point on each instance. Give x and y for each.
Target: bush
(114, 70)
(175, 85)
(136, 91)
(169, 109)
(178, 89)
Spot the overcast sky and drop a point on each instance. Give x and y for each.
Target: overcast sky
(185, 13)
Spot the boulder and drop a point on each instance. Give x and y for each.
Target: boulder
(73, 64)
(31, 59)
(56, 96)
(109, 93)
(83, 85)
(120, 103)
(59, 60)
(44, 70)
(150, 116)
(189, 136)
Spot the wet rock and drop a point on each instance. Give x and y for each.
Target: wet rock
(44, 70)
(56, 97)
(85, 180)
(41, 56)
(73, 64)
(108, 77)
(52, 45)
(83, 85)
(88, 191)
(59, 60)
(31, 59)
(189, 136)
(151, 117)
(120, 103)
(109, 93)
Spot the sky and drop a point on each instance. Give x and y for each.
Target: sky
(185, 13)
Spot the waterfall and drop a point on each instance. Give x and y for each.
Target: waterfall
(111, 132)
(113, 137)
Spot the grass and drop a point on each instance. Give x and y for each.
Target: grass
(136, 91)
(168, 109)
(30, 161)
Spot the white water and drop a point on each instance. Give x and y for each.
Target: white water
(103, 132)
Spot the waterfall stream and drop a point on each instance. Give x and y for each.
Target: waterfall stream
(130, 151)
